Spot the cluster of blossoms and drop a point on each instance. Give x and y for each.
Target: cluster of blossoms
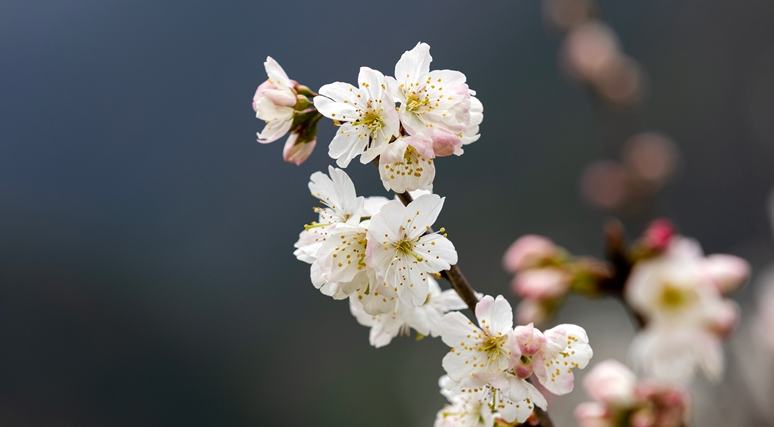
(381, 255)
(405, 121)
(620, 399)
(489, 364)
(680, 292)
(544, 274)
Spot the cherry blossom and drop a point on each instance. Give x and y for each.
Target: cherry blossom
(407, 165)
(367, 113)
(402, 251)
(273, 102)
(435, 104)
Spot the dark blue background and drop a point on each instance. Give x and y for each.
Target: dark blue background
(146, 265)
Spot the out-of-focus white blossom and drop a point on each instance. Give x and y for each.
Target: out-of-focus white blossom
(620, 399)
(679, 294)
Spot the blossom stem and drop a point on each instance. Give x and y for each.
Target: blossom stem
(620, 262)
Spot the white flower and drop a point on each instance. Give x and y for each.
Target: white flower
(273, 103)
(340, 205)
(478, 351)
(465, 409)
(402, 252)
(678, 293)
(368, 115)
(406, 165)
(435, 104)
(500, 359)
(339, 267)
(388, 317)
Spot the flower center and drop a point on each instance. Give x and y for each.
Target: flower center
(405, 246)
(673, 297)
(492, 346)
(372, 120)
(414, 103)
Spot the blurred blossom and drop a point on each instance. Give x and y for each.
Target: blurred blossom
(621, 82)
(590, 51)
(678, 294)
(542, 283)
(531, 311)
(604, 184)
(528, 251)
(651, 157)
(565, 14)
(623, 400)
(658, 235)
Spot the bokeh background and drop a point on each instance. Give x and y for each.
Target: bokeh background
(146, 267)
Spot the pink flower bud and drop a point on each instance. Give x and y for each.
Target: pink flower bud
(724, 318)
(527, 251)
(297, 152)
(727, 272)
(593, 414)
(445, 143)
(281, 97)
(541, 283)
(611, 382)
(659, 234)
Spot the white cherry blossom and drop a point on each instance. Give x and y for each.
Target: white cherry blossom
(273, 102)
(367, 113)
(407, 165)
(387, 316)
(435, 104)
(402, 251)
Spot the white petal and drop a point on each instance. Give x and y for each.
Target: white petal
(385, 225)
(373, 82)
(276, 73)
(348, 143)
(414, 63)
(274, 130)
(336, 110)
(437, 252)
(494, 315)
(422, 213)
(567, 348)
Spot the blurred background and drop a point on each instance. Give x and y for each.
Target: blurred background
(146, 267)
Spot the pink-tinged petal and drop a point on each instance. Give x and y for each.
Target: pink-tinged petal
(724, 318)
(494, 315)
(727, 272)
(445, 143)
(528, 340)
(528, 250)
(422, 144)
(297, 153)
(611, 382)
(567, 348)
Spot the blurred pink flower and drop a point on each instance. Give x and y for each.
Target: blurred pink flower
(727, 272)
(541, 283)
(527, 251)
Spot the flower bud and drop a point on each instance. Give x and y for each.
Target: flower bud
(528, 251)
(295, 151)
(727, 272)
(541, 283)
